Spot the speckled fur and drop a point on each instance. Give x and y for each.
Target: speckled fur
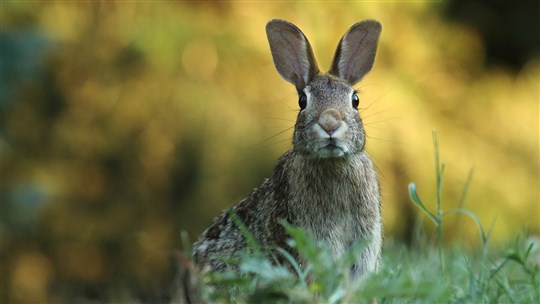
(335, 200)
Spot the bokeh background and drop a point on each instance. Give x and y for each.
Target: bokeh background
(127, 122)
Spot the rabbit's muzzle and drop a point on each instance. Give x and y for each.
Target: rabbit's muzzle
(331, 131)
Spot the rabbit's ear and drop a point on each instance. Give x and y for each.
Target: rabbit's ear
(293, 56)
(356, 51)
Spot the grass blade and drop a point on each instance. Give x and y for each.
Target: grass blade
(472, 216)
(418, 202)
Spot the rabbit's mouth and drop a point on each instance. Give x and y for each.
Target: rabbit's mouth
(331, 149)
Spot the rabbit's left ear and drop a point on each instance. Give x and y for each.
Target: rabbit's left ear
(356, 51)
(292, 53)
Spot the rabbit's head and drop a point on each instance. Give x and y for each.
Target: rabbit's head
(328, 124)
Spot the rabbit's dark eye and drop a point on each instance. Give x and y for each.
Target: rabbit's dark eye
(302, 102)
(355, 101)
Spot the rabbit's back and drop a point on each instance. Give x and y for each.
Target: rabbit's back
(259, 213)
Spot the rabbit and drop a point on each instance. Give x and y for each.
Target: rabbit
(326, 183)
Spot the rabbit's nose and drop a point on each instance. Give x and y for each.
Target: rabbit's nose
(330, 120)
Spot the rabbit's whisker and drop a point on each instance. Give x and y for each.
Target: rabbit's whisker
(273, 136)
(379, 98)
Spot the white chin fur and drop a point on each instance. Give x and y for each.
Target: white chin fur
(331, 152)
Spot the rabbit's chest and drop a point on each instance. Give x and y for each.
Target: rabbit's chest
(337, 202)
(335, 217)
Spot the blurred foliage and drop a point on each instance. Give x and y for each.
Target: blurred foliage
(124, 123)
(510, 33)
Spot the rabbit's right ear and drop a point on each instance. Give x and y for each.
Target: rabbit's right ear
(292, 53)
(356, 51)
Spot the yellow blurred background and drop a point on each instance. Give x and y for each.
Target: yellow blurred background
(125, 123)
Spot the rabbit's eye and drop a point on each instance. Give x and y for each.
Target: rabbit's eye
(355, 101)
(302, 102)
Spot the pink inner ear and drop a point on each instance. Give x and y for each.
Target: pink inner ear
(303, 60)
(351, 55)
(291, 52)
(356, 51)
(296, 54)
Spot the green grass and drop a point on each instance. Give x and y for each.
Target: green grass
(424, 273)
(406, 276)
